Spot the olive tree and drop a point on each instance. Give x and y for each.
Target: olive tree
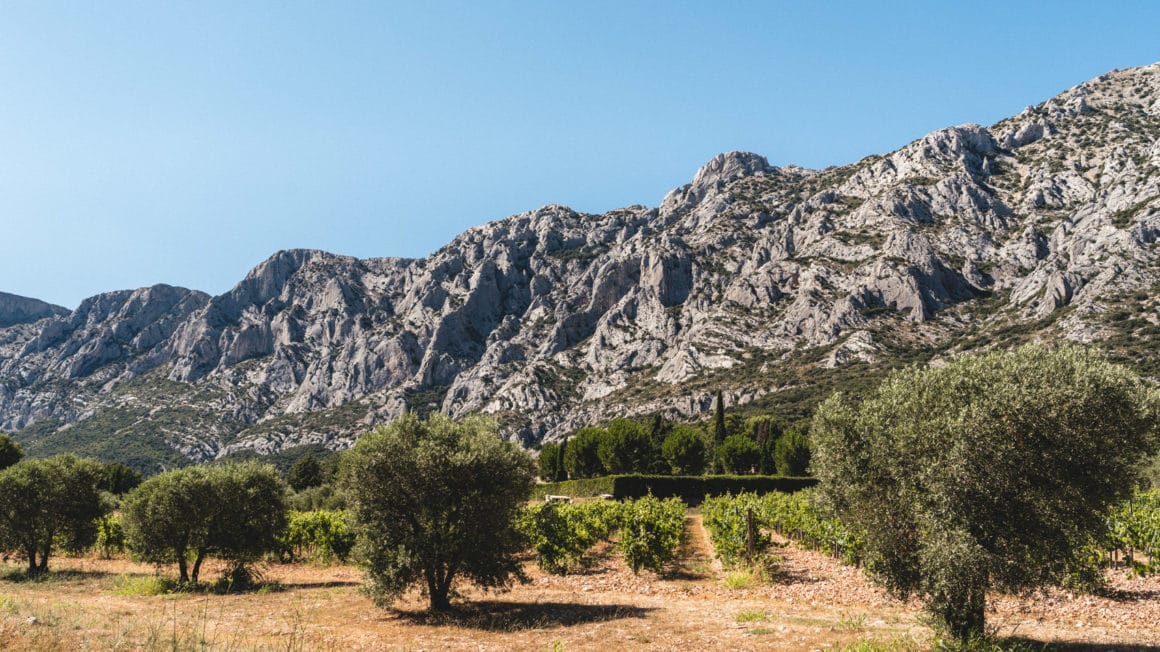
(990, 473)
(235, 512)
(434, 501)
(49, 501)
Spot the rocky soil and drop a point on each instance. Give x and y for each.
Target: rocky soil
(813, 603)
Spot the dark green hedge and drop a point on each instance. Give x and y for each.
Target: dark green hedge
(576, 488)
(691, 489)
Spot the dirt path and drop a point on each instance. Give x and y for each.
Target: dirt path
(695, 557)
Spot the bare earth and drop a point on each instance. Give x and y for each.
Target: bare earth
(813, 602)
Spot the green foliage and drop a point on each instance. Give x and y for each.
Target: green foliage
(650, 532)
(234, 511)
(316, 498)
(738, 455)
(550, 462)
(791, 454)
(690, 489)
(626, 448)
(659, 429)
(253, 511)
(765, 430)
(110, 536)
(734, 524)
(306, 473)
(585, 487)
(562, 533)
(685, 450)
(119, 479)
(582, 456)
(436, 500)
(1134, 528)
(795, 517)
(719, 430)
(993, 472)
(10, 451)
(47, 502)
(322, 536)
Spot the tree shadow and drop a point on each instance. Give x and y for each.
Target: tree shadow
(494, 615)
(331, 584)
(1069, 646)
(782, 575)
(1118, 595)
(21, 575)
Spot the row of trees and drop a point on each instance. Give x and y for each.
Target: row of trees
(56, 501)
(235, 511)
(628, 446)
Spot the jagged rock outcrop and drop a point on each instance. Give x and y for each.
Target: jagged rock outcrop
(551, 318)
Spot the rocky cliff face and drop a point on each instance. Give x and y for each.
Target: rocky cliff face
(16, 310)
(1043, 225)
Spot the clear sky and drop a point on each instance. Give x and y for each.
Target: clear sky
(184, 142)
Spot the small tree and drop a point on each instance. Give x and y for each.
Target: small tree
(561, 469)
(764, 430)
(306, 473)
(253, 513)
(49, 501)
(685, 450)
(993, 472)
(627, 448)
(719, 429)
(659, 429)
(10, 451)
(791, 454)
(168, 518)
(582, 456)
(738, 454)
(437, 500)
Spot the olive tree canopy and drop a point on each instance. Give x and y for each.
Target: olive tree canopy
(992, 472)
(235, 512)
(436, 500)
(46, 502)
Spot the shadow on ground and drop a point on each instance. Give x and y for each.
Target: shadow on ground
(1064, 646)
(49, 576)
(332, 584)
(491, 615)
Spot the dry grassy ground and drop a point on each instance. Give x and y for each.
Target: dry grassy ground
(812, 602)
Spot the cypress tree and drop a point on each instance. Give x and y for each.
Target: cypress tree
(719, 419)
(561, 470)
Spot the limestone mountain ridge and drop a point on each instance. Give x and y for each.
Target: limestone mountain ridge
(754, 279)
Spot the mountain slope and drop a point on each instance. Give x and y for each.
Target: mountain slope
(773, 283)
(22, 310)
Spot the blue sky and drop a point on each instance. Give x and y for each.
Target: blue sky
(184, 142)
